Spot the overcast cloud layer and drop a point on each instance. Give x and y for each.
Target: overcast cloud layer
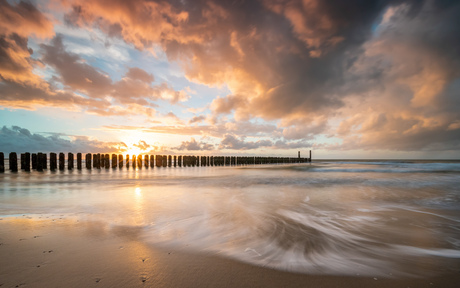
(337, 75)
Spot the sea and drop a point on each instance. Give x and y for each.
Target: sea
(377, 218)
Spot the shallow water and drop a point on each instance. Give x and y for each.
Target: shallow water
(386, 219)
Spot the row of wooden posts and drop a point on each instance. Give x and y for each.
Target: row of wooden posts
(97, 161)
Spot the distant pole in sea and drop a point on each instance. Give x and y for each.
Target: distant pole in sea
(79, 161)
(88, 161)
(114, 161)
(39, 161)
(70, 161)
(120, 161)
(127, 160)
(53, 161)
(61, 161)
(139, 161)
(13, 158)
(27, 162)
(2, 162)
(309, 159)
(34, 161)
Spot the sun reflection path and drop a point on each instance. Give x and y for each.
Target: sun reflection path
(138, 207)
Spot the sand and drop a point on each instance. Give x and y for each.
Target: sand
(59, 252)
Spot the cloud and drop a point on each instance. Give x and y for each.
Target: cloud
(193, 145)
(232, 142)
(197, 119)
(402, 87)
(20, 140)
(142, 145)
(24, 19)
(73, 72)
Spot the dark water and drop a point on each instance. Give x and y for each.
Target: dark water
(378, 218)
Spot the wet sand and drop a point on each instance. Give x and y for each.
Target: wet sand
(59, 252)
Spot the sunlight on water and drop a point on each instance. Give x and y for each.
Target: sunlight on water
(349, 218)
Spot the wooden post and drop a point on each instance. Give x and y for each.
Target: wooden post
(114, 161)
(127, 161)
(179, 159)
(158, 160)
(139, 161)
(53, 161)
(13, 158)
(61, 161)
(107, 161)
(120, 161)
(152, 161)
(309, 159)
(88, 161)
(39, 161)
(69, 161)
(27, 162)
(44, 161)
(175, 160)
(79, 161)
(146, 161)
(34, 161)
(164, 161)
(2, 162)
(99, 161)
(23, 161)
(169, 161)
(134, 161)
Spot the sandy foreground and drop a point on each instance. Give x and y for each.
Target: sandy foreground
(58, 252)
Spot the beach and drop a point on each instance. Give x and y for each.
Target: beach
(329, 224)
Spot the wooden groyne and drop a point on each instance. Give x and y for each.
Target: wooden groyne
(39, 161)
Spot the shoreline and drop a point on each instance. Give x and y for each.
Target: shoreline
(73, 253)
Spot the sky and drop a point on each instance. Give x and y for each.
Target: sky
(346, 79)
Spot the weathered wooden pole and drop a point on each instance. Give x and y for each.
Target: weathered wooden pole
(53, 161)
(169, 160)
(165, 160)
(69, 161)
(179, 160)
(158, 160)
(39, 161)
(152, 161)
(79, 161)
(99, 161)
(61, 161)
(134, 161)
(114, 161)
(146, 161)
(175, 160)
(309, 159)
(23, 161)
(120, 161)
(34, 161)
(27, 162)
(127, 160)
(139, 161)
(107, 161)
(88, 161)
(13, 158)
(2, 162)
(45, 161)
(94, 160)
